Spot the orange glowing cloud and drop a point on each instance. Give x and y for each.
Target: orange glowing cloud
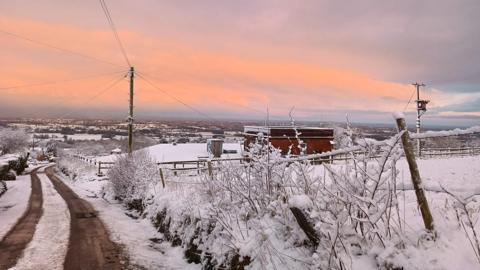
(206, 79)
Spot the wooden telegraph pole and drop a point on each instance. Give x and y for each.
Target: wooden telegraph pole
(130, 115)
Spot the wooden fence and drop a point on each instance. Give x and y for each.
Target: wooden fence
(199, 166)
(187, 166)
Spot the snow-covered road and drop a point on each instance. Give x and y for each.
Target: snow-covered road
(56, 230)
(49, 245)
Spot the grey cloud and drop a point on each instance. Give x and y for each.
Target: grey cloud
(469, 106)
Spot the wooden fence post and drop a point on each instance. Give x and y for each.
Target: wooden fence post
(210, 169)
(99, 168)
(415, 174)
(161, 177)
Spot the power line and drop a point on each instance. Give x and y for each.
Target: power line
(58, 48)
(59, 81)
(114, 30)
(246, 107)
(174, 97)
(99, 93)
(409, 100)
(249, 108)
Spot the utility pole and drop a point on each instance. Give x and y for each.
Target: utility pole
(421, 109)
(130, 115)
(33, 141)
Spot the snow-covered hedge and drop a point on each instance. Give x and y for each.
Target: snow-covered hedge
(131, 178)
(268, 213)
(281, 213)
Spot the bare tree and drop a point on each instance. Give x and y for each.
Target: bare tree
(12, 141)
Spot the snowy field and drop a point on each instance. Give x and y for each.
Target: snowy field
(180, 152)
(74, 137)
(458, 175)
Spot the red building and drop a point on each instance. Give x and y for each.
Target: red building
(317, 140)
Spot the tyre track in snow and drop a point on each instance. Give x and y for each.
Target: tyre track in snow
(48, 247)
(89, 244)
(17, 239)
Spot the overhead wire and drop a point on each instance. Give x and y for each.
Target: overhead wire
(249, 108)
(102, 91)
(58, 48)
(409, 100)
(114, 30)
(59, 81)
(142, 76)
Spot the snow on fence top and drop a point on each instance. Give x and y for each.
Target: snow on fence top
(445, 133)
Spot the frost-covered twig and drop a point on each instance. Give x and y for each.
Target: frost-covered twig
(463, 203)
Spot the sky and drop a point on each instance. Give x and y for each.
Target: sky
(319, 60)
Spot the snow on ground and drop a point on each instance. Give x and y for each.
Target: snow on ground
(49, 245)
(187, 151)
(135, 234)
(459, 175)
(14, 202)
(452, 250)
(4, 159)
(74, 137)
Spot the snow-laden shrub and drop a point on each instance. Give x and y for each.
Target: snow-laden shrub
(285, 215)
(250, 213)
(20, 164)
(12, 141)
(3, 187)
(51, 147)
(4, 169)
(132, 176)
(276, 212)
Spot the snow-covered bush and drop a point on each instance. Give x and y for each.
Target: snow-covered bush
(3, 187)
(51, 147)
(20, 164)
(284, 214)
(132, 176)
(12, 141)
(251, 213)
(4, 169)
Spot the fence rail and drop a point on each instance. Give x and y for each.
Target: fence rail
(202, 165)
